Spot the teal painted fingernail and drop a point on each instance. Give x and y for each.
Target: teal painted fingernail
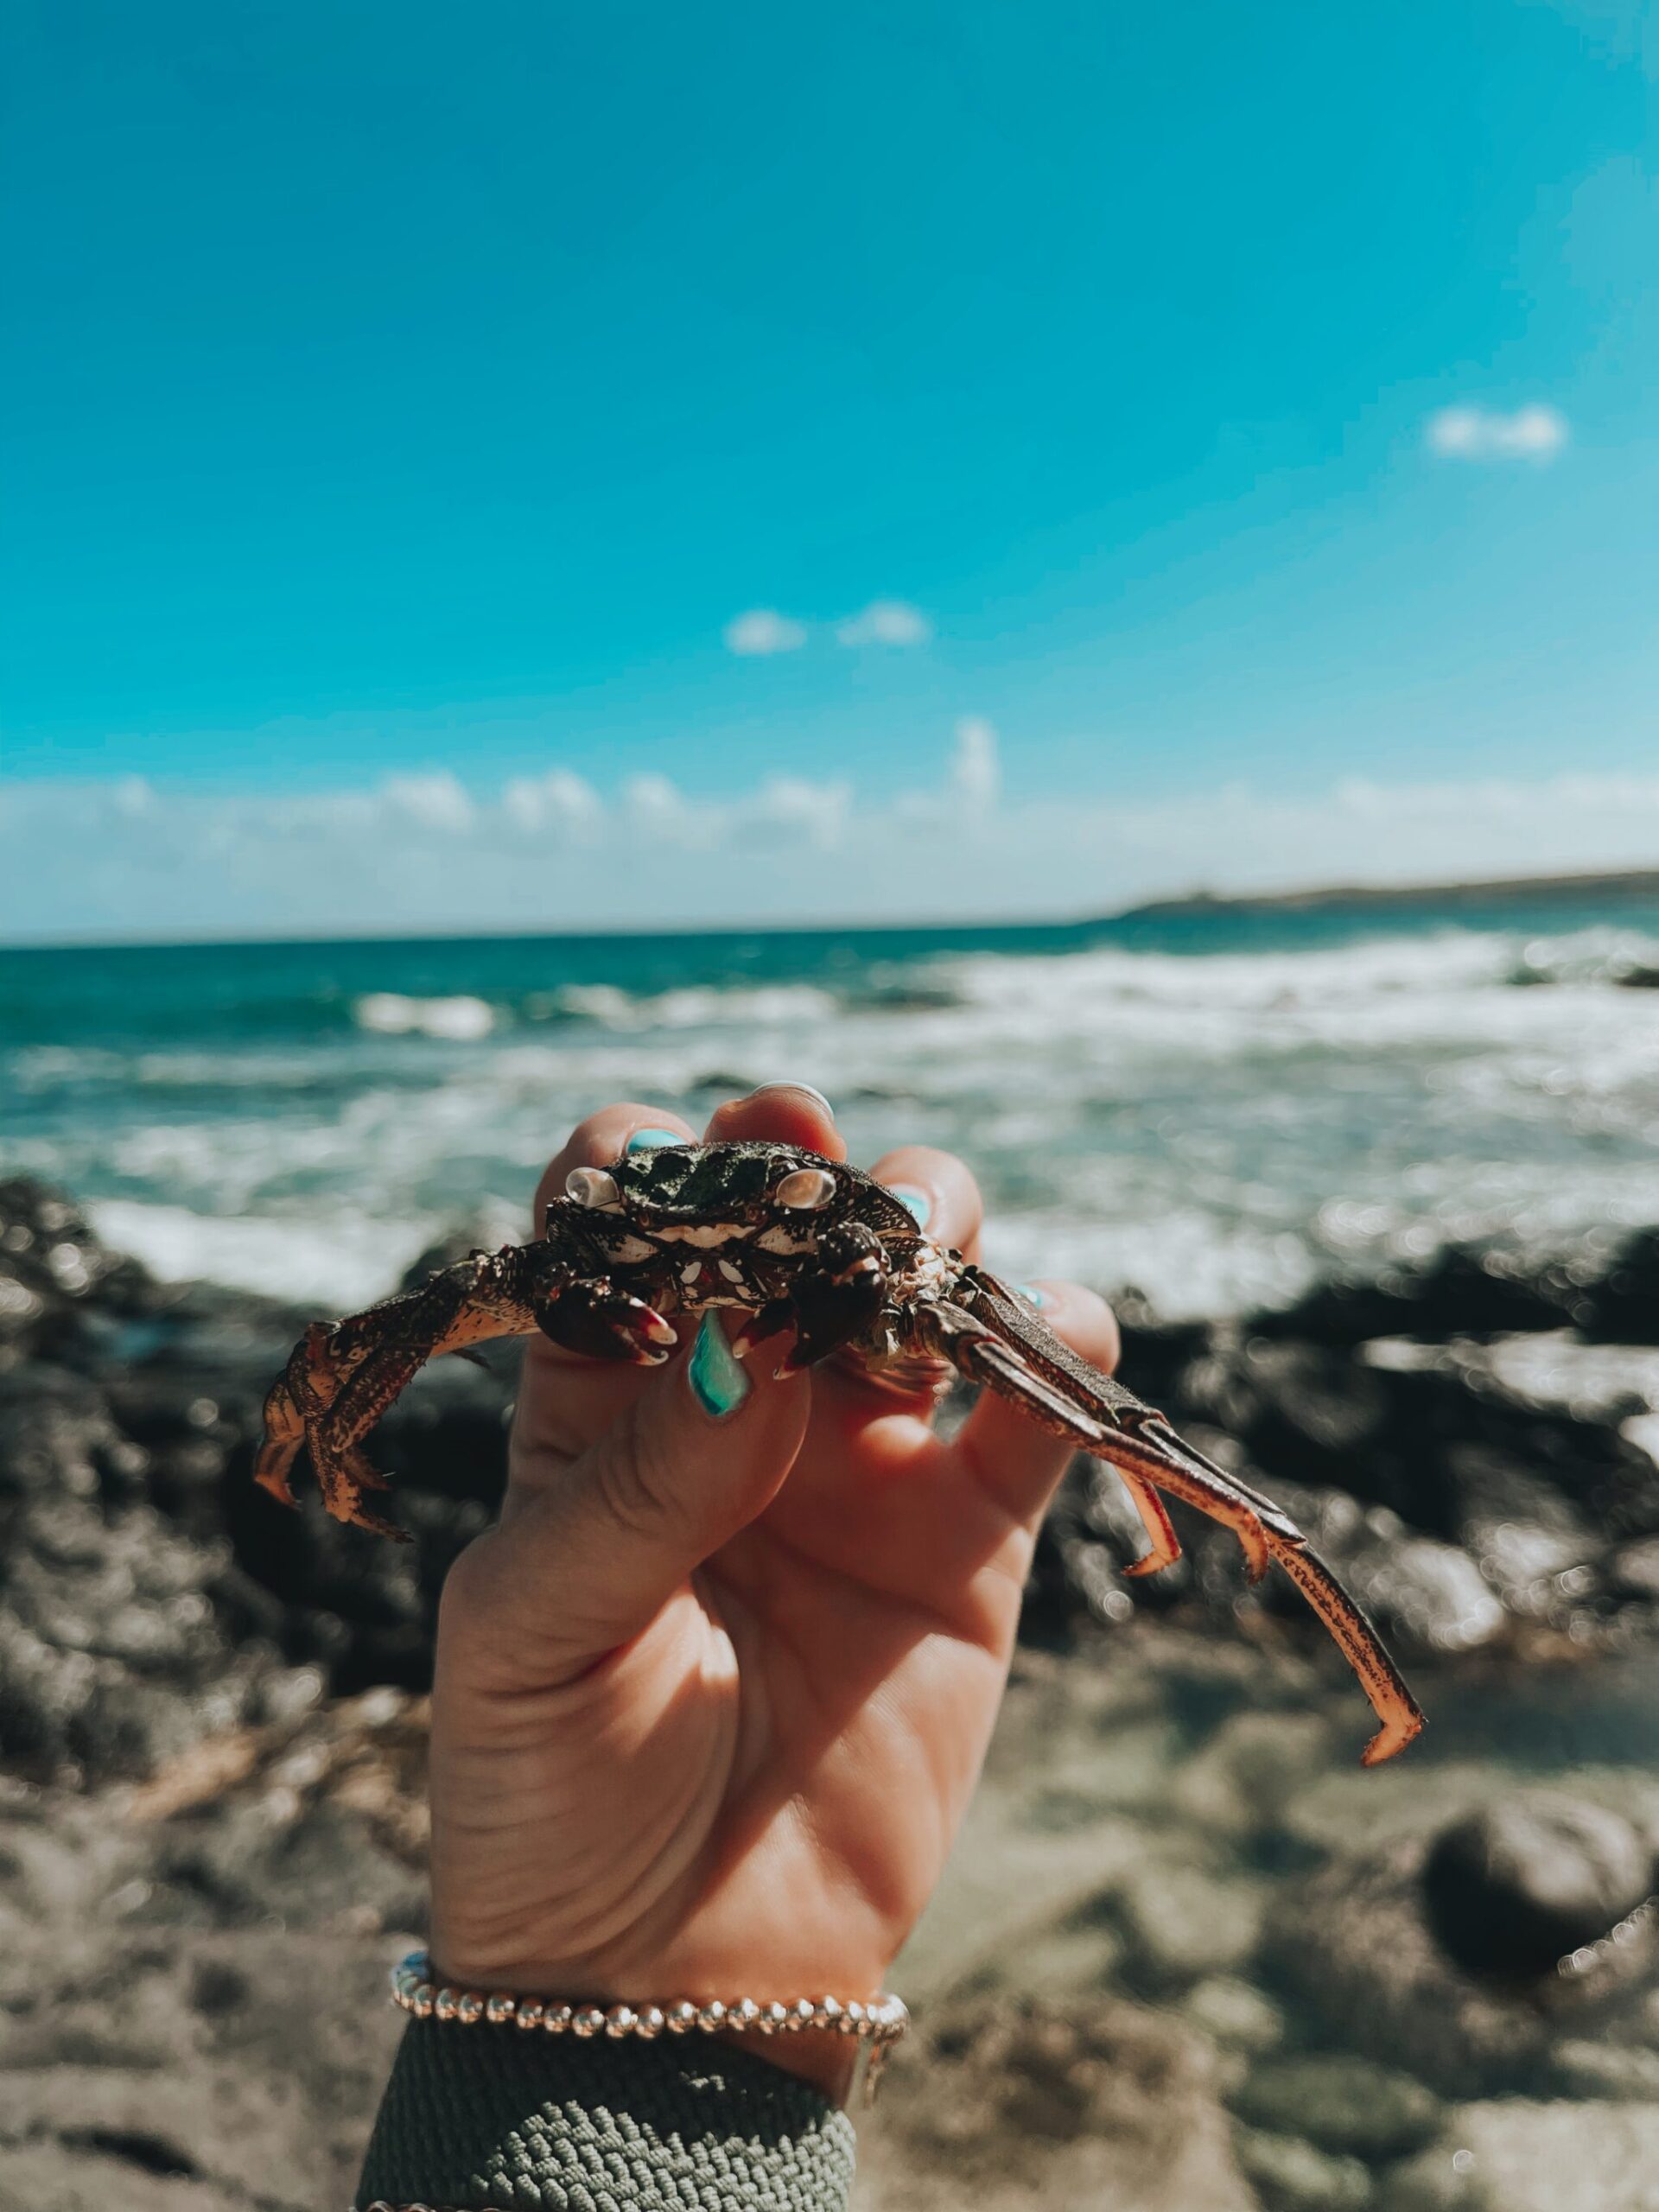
(913, 1201)
(720, 1381)
(650, 1140)
(1032, 1295)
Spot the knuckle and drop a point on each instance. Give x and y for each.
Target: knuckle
(639, 1482)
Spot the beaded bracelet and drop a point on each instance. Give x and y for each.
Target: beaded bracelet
(879, 2023)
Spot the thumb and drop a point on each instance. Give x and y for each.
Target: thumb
(589, 1551)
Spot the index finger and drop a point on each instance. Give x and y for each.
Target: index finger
(567, 1401)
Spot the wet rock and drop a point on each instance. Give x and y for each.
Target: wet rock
(1352, 1943)
(244, 1867)
(1291, 2175)
(1180, 1922)
(1300, 1408)
(1094, 2102)
(148, 1591)
(53, 1266)
(1623, 1308)
(1512, 2155)
(1633, 1570)
(1342, 2104)
(1235, 2014)
(1521, 1883)
(112, 1652)
(1463, 1292)
(1593, 2069)
(1432, 1590)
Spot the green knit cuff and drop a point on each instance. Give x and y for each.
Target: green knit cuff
(481, 2116)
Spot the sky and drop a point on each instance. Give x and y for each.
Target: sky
(535, 468)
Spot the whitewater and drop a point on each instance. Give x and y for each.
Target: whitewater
(1211, 1121)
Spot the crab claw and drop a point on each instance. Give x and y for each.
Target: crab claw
(602, 1322)
(770, 1321)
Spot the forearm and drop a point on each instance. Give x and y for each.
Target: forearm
(485, 2117)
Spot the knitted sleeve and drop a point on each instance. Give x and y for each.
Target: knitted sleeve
(486, 2117)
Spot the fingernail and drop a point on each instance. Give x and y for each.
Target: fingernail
(802, 1089)
(650, 1139)
(719, 1381)
(1032, 1295)
(913, 1201)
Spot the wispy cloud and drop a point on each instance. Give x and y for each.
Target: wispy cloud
(885, 622)
(762, 630)
(559, 802)
(437, 801)
(422, 851)
(1531, 433)
(976, 772)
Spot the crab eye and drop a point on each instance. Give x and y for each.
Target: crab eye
(592, 1186)
(806, 1190)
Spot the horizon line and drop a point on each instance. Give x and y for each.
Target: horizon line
(1288, 898)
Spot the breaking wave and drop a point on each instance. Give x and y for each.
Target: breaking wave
(1213, 1127)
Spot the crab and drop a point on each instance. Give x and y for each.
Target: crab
(812, 1249)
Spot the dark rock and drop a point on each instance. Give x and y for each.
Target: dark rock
(244, 1868)
(1516, 1886)
(1352, 1943)
(1116, 2103)
(52, 1266)
(1340, 2103)
(1633, 1570)
(1623, 1308)
(1289, 2175)
(1464, 1291)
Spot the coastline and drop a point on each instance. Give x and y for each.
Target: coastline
(1614, 887)
(213, 1722)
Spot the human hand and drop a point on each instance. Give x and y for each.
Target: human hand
(711, 1699)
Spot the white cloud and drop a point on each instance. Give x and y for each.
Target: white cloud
(436, 800)
(788, 847)
(791, 806)
(886, 622)
(559, 802)
(762, 630)
(133, 797)
(1531, 433)
(976, 772)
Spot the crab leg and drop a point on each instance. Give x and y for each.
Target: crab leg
(339, 1381)
(1048, 1392)
(1073, 1400)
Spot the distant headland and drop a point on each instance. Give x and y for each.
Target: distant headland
(1635, 886)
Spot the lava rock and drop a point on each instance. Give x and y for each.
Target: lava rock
(1290, 2175)
(1180, 1922)
(1519, 1884)
(1633, 1570)
(1353, 1944)
(1623, 1308)
(1511, 2155)
(1235, 2014)
(1464, 1291)
(1341, 2103)
(52, 1265)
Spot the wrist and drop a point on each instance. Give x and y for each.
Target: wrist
(818, 2040)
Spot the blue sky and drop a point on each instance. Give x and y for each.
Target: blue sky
(1242, 422)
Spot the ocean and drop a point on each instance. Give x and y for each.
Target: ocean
(1210, 1107)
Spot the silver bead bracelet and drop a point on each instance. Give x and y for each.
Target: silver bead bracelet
(878, 2024)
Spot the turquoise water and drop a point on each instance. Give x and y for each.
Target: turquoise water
(1211, 1107)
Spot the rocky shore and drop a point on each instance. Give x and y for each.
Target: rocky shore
(1189, 1955)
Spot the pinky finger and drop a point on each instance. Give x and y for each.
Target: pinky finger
(1000, 1445)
